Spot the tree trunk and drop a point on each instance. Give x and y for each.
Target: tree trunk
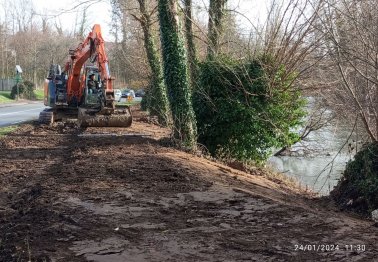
(176, 74)
(157, 100)
(216, 14)
(192, 53)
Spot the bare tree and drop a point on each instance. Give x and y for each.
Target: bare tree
(351, 29)
(128, 57)
(290, 37)
(82, 23)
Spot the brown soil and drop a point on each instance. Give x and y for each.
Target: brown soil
(117, 194)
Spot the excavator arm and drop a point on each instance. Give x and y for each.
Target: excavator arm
(92, 47)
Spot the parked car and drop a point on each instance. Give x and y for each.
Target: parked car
(117, 95)
(128, 92)
(140, 93)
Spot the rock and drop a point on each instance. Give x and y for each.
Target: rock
(374, 215)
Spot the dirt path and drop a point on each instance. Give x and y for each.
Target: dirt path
(75, 195)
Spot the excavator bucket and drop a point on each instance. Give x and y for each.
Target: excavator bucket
(121, 117)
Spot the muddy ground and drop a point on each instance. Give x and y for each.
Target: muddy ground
(114, 194)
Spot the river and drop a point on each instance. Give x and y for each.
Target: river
(318, 162)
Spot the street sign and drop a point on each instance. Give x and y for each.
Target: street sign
(18, 69)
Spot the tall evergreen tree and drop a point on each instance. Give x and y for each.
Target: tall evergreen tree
(176, 74)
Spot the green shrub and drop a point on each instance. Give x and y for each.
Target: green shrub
(358, 187)
(243, 110)
(26, 90)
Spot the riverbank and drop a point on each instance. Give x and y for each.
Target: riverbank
(114, 194)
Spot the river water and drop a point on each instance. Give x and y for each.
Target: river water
(318, 162)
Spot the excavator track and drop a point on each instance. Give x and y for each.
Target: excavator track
(46, 117)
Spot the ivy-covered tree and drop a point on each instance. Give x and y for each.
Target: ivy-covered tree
(176, 74)
(155, 100)
(157, 96)
(243, 110)
(192, 53)
(216, 17)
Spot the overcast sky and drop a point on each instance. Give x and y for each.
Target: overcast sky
(100, 12)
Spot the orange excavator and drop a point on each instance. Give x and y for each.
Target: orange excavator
(84, 88)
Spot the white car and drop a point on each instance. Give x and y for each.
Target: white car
(131, 93)
(117, 95)
(128, 93)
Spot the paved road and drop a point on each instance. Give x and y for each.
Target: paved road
(11, 114)
(15, 113)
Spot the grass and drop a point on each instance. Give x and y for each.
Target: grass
(6, 130)
(5, 97)
(39, 94)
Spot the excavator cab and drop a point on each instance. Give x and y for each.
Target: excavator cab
(92, 95)
(93, 112)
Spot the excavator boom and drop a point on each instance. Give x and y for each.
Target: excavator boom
(92, 46)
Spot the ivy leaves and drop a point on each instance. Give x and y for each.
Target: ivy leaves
(242, 114)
